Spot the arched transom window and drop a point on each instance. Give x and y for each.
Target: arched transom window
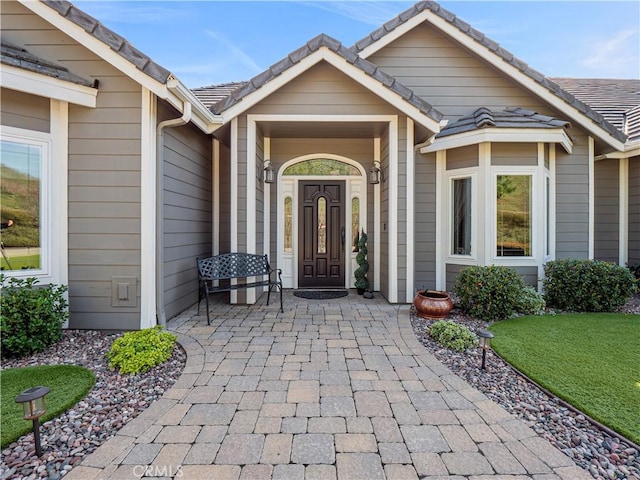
(321, 166)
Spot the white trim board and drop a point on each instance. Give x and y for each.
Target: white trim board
(44, 86)
(501, 135)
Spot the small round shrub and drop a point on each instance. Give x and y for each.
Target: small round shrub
(587, 285)
(530, 302)
(31, 316)
(491, 292)
(453, 335)
(139, 351)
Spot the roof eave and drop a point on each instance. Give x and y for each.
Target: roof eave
(432, 123)
(531, 81)
(501, 135)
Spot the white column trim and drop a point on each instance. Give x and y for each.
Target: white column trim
(623, 243)
(59, 251)
(592, 197)
(552, 202)
(377, 225)
(266, 207)
(410, 246)
(148, 166)
(233, 167)
(393, 210)
(251, 198)
(215, 208)
(539, 229)
(441, 233)
(486, 207)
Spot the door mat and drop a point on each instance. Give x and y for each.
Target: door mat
(320, 294)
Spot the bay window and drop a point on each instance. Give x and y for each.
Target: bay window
(513, 215)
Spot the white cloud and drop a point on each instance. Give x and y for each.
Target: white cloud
(368, 12)
(618, 56)
(235, 54)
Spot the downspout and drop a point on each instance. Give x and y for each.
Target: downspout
(161, 315)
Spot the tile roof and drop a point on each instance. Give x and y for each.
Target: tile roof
(117, 43)
(16, 56)
(507, 118)
(335, 46)
(612, 98)
(494, 47)
(214, 93)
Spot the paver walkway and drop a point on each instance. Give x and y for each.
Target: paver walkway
(328, 389)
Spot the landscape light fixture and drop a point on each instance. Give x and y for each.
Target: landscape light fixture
(269, 174)
(485, 343)
(33, 407)
(375, 174)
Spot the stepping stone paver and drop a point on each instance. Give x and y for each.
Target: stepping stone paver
(326, 390)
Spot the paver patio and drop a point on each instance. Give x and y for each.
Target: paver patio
(327, 389)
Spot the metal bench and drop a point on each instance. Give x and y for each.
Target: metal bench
(236, 265)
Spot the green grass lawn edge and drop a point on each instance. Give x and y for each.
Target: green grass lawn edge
(591, 361)
(68, 384)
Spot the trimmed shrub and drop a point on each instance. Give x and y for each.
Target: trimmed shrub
(493, 292)
(530, 302)
(139, 351)
(453, 335)
(587, 285)
(31, 316)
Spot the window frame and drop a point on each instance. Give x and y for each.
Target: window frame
(44, 141)
(457, 174)
(533, 173)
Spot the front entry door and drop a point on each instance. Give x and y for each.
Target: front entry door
(321, 236)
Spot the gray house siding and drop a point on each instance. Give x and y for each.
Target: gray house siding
(225, 199)
(634, 211)
(323, 90)
(447, 76)
(186, 208)
(607, 210)
(21, 110)
(104, 174)
(572, 200)
(463, 157)
(425, 221)
(517, 154)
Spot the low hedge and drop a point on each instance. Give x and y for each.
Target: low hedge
(587, 285)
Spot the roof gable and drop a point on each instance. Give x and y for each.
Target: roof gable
(332, 51)
(447, 23)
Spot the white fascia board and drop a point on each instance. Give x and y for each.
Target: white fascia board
(501, 135)
(341, 65)
(44, 86)
(204, 119)
(630, 151)
(483, 52)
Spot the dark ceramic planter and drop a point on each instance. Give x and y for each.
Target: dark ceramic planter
(432, 305)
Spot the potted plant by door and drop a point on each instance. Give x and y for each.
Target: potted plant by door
(432, 304)
(362, 283)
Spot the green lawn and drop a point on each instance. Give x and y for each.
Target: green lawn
(590, 360)
(18, 263)
(68, 384)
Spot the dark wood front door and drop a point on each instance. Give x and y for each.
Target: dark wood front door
(321, 262)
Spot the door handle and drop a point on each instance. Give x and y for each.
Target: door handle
(342, 235)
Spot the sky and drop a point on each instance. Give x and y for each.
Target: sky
(212, 42)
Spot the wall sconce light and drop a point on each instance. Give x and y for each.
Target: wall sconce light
(485, 343)
(269, 174)
(375, 174)
(33, 407)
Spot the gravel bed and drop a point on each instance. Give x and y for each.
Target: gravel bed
(604, 456)
(113, 402)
